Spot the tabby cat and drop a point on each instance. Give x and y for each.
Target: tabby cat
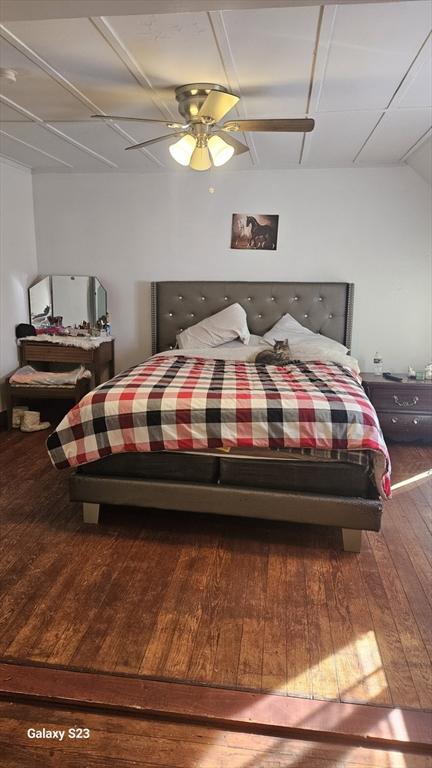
(279, 354)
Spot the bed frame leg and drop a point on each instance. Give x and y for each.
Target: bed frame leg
(352, 540)
(91, 512)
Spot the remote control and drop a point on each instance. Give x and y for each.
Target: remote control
(392, 377)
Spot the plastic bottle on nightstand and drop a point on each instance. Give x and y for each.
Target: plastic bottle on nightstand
(378, 364)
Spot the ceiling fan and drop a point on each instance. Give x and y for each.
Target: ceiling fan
(201, 140)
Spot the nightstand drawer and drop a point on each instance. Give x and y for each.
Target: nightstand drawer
(406, 426)
(402, 398)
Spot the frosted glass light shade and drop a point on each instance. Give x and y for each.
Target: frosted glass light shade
(200, 160)
(182, 150)
(220, 151)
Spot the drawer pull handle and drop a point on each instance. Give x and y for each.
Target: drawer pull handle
(394, 420)
(416, 421)
(405, 403)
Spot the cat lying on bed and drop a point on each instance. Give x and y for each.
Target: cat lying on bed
(279, 354)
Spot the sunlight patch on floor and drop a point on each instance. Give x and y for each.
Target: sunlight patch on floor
(291, 753)
(369, 686)
(413, 479)
(358, 663)
(372, 681)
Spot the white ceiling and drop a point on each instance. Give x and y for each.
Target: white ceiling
(362, 70)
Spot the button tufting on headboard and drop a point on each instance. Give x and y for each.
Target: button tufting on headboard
(321, 307)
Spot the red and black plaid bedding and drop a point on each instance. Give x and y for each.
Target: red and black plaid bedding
(190, 403)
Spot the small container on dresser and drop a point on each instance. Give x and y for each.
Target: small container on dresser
(404, 407)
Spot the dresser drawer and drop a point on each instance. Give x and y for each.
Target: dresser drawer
(402, 398)
(406, 426)
(55, 353)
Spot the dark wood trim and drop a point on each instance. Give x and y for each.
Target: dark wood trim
(354, 724)
(3, 419)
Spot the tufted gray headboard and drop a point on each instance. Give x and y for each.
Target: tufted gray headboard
(322, 307)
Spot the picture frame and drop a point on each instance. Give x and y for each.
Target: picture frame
(257, 232)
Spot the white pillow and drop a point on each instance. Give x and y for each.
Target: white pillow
(322, 349)
(289, 328)
(254, 341)
(286, 328)
(224, 326)
(316, 347)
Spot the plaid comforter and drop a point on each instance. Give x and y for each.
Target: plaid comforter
(189, 403)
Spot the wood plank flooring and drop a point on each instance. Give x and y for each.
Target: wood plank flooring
(406, 730)
(127, 742)
(234, 603)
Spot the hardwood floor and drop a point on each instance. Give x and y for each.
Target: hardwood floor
(218, 601)
(127, 742)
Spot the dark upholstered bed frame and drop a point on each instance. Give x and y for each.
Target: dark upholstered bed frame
(322, 307)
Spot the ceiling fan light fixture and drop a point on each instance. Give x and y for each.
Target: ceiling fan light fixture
(200, 160)
(204, 142)
(183, 149)
(220, 150)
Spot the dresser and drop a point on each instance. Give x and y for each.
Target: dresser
(99, 360)
(404, 408)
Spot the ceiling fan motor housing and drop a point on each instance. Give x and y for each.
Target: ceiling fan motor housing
(191, 97)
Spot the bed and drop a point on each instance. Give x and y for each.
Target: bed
(323, 487)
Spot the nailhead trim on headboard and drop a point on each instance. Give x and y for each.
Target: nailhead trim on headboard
(154, 317)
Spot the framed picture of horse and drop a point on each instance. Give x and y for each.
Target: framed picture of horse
(257, 232)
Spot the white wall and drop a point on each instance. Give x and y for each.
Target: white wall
(421, 160)
(370, 226)
(18, 265)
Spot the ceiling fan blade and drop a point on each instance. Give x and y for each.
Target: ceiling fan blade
(140, 120)
(239, 147)
(300, 125)
(217, 104)
(154, 141)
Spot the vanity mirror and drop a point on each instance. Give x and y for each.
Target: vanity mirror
(74, 298)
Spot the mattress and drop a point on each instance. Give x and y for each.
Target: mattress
(172, 466)
(272, 470)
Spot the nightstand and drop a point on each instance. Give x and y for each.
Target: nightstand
(404, 408)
